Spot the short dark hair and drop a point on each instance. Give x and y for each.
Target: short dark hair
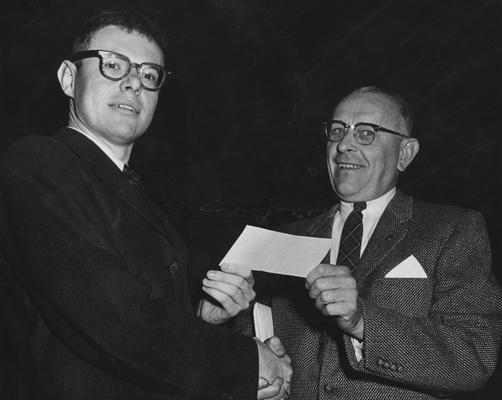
(127, 20)
(404, 107)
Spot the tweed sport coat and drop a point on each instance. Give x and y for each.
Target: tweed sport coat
(93, 290)
(424, 337)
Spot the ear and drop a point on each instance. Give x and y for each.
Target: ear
(66, 76)
(408, 149)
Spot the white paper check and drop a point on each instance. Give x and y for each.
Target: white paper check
(280, 253)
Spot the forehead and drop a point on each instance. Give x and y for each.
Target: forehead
(131, 44)
(368, 107)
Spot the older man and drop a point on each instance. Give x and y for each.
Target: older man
(404, 306)
(95, 280)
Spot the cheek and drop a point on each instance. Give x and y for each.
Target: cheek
(150, 106)
(385, 165)
(90, 96)
(330, 159)
(330, 151)
(85, 105)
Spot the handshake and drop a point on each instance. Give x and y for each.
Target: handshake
(274, 370)
(333, 289)
(232, 288)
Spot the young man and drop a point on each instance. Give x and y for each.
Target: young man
(96, 275)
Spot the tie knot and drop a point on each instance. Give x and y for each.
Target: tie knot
(360, 205)
(131, 174)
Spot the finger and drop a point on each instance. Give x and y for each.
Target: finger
(227, 277)
(289, 371)
(233, 280)
(339, 295)
(225, 301)
(332, 296)
(324, 270)
(332, 283)
(341, 309)
(321, 285)
(238, 295)
(240, 270)
(276, 346)
(262, 382)
(334, 307)
(272, 390)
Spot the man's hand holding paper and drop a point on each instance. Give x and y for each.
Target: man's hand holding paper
(232, 288)
(335, 293)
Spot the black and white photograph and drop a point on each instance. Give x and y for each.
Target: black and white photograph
(250, 199)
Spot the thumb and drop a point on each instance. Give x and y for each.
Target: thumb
(276, 346)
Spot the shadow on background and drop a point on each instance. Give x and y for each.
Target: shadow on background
(237, 139)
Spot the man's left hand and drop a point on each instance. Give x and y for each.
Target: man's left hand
(232, 288)
(335, 292)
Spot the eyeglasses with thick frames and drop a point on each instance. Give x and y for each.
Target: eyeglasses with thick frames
(116, 66)
(364, 132)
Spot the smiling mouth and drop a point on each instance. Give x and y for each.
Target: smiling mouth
(348, 165)
(124, 107)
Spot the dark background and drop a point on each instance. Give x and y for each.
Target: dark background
(237, 139)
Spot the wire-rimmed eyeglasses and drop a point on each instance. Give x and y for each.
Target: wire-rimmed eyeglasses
(116, 66)
(364, 132)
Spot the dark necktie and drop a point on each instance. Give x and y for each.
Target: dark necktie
(133, 178)
(349, 250)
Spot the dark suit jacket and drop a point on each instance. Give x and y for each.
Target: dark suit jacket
(95, 285)
(424, 337)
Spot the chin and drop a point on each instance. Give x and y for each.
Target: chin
(347, 192)
(125, 131)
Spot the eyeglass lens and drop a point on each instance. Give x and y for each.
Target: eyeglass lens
(364, 134)
(115, 67)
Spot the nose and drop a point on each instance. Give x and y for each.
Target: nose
(348, 142)
(132, 81)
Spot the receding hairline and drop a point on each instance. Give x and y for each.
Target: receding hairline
(402, 106)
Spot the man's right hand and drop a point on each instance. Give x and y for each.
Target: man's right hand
(274, 370)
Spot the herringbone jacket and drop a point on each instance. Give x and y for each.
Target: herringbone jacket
(424, 338)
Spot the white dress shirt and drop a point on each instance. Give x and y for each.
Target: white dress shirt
(371, 215)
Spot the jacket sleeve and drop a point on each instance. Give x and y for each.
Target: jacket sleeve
(452, 347)
(93, 303)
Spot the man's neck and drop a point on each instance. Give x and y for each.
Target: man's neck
(381, 201)
(119, 158)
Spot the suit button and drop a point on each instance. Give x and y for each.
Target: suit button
(330, 388)
(173, 268)
(400, 368)
(380, 361)
(386, 365)
(393, 367)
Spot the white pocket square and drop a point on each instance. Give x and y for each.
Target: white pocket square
(409, 268)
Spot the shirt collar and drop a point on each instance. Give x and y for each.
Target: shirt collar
(373, 207)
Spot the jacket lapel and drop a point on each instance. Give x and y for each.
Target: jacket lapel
(390, 230)
(99, 165)
(322, 225)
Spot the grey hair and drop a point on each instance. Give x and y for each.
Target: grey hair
(402, 104)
